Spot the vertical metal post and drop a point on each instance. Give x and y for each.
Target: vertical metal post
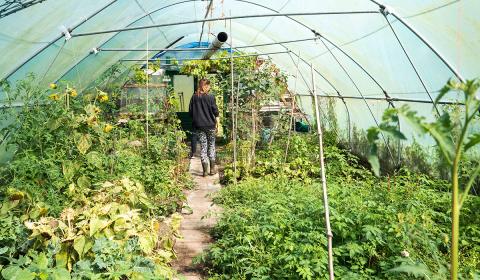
(146, 115)
(232, 111)
(349, 125)
(324, 181)
(293, 108)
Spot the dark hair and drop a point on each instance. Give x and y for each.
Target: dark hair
(201, 83)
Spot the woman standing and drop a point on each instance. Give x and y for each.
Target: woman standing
(204, 112)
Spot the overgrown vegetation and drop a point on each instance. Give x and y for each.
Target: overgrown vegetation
(384, 228)
(395, 227)
(84, 195)
(453, 147)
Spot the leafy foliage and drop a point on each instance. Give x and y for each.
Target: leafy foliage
(83, 189)
(453, 147)
(108, 233)
(384, 228)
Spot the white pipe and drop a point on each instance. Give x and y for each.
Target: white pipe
(215, 45)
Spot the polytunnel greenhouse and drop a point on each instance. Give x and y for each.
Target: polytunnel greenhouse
(237, 139)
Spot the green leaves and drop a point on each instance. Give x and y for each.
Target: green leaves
(452, 146)
(416, 270)
(59, 155)
(388, 127)
(473, 140)
(84, 143)
(106, 230)
(275, 226)
(17, 273)
(147, 242)
(69, 169)
(373, 159)
(41, 261)
(83, 182)
(60, 274)
(451, 85)
(35, 266)
(79, 245)
(97, 224)
(270, 229)
(440, 130)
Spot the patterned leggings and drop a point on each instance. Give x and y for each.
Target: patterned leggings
(207, 144)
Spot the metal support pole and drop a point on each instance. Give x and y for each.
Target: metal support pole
(293, 108)
(146, 115)
(215, 58)
(222, 19)
(300, 73)
(354, 61)
(423, 39)
(389, 99)
(324, 182)
(202, 49)
(58, 38)
(360, 92)
(85, 57)
(151, 18)
(329, 41)
(277, 12)
(232, 111)
(13, 6)
(411, 63)
(334, 88)
(349, 124)
(209, 7)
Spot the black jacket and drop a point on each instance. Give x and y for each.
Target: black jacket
(203, 110)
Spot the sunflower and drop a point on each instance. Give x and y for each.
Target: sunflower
(72, 92)
(92, 121)
(53, 86)
(103, 98)
(107, 128)
(54, 96)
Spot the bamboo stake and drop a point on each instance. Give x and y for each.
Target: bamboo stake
(324, 182)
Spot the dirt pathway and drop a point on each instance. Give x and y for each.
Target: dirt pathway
(195, 227)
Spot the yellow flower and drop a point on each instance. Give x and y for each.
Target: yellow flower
(73, 92)
(53, 86)
(54, 96)
(107, 128)
(103, 98)
(92, 121)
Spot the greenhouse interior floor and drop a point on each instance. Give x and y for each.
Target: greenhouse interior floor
(198, 218)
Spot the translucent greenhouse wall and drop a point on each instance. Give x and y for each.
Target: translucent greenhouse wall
(358, 54)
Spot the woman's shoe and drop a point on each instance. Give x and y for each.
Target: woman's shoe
(213, 169)
(205, 168)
